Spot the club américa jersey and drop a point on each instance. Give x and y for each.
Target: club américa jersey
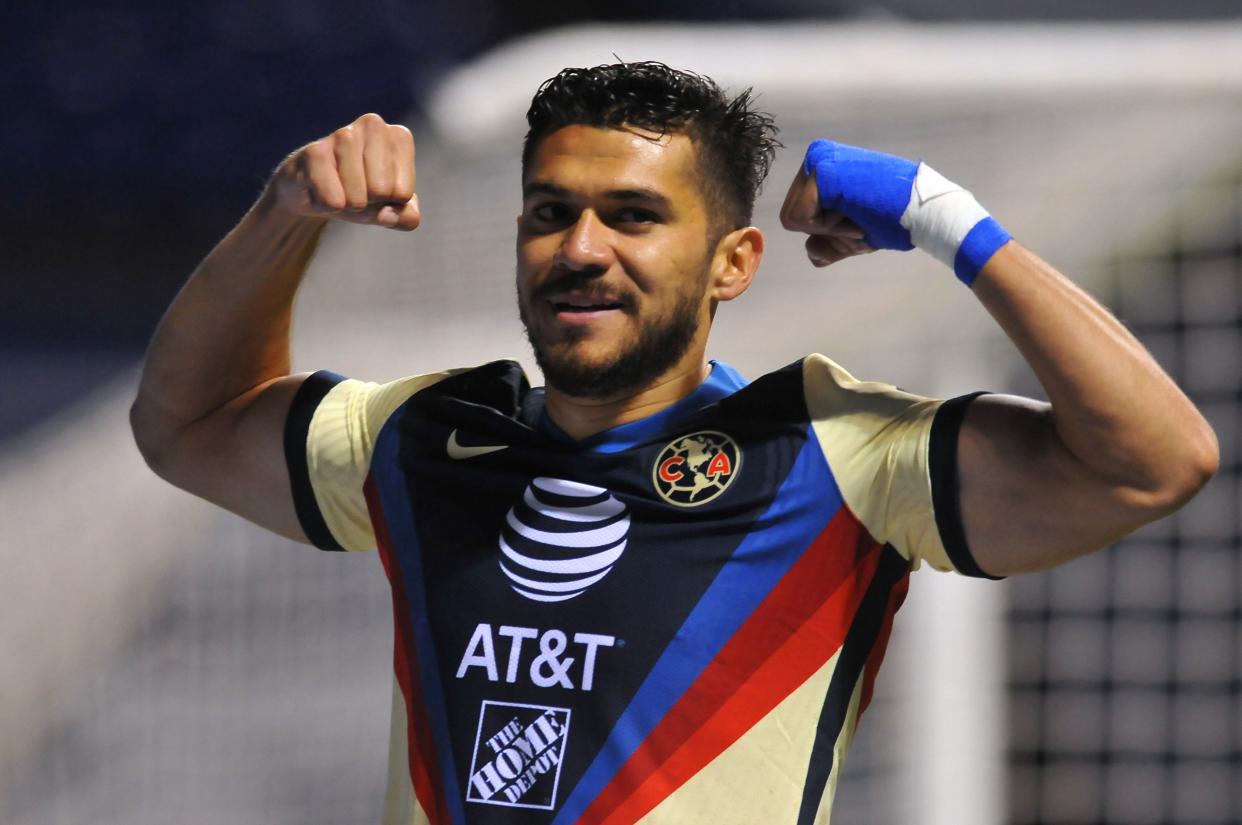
(678, 620)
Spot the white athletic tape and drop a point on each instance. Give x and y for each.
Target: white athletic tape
(940, 214)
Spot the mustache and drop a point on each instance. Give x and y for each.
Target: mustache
(585, 283)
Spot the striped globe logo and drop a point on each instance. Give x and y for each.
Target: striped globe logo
(561, 538)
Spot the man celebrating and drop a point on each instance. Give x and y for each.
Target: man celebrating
(651, 590)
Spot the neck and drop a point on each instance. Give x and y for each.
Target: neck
(583, 417)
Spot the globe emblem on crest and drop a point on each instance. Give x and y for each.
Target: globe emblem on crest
(696, 468)
(561, 538)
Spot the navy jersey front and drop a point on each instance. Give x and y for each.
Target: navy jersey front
(677, 620)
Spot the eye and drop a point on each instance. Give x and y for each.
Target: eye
(547, 215)
(637, 215)
(550, 213)
(544, 216)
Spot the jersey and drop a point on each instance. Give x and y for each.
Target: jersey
(678, 620)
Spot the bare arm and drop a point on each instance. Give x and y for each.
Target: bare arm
(216, 387)
(1118, 446)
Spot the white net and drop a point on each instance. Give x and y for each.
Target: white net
(1126, 700)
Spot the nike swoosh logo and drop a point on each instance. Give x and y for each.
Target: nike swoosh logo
(458, 451)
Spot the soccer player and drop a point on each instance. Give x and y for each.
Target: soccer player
(651, 590)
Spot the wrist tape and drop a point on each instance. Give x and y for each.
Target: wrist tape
(900, 205)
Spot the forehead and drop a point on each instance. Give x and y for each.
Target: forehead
(590, 158)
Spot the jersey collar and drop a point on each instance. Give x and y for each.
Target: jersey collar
(722, 381)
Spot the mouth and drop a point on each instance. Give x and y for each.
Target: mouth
(577, 307)
(581, 307)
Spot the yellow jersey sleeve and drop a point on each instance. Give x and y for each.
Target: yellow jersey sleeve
(894, 458)
(330, 436)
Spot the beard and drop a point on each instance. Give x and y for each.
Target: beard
(656, 348)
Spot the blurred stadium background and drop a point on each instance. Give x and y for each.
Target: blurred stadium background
(161, 662)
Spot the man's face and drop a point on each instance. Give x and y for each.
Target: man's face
(612, 258)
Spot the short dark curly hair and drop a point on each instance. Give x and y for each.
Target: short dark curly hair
(735, 144)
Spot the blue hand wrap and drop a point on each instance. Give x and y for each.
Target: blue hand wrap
(979, 245)
(870, 188)
(900, 204)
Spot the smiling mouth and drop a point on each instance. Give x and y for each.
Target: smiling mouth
(575, 307)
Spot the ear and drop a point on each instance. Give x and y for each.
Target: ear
(735, 262)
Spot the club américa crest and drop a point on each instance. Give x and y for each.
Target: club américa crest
(696, 468)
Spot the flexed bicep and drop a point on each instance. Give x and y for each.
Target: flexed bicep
(1027, 502)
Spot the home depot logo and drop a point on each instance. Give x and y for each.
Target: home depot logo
(518, 752)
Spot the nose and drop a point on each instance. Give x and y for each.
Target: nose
(587, 245)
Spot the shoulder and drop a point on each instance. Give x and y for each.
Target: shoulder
(327, 396)
(893, 454)
(334, 427)
(329, 400)
(822, 391)
(500, 385)
(833, 392)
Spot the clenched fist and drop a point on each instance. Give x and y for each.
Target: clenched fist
(362, 173)
(832, 236)
(852, 200)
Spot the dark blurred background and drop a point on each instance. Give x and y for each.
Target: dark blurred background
(133, 134)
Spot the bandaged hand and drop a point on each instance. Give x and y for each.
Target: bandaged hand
(852, 200)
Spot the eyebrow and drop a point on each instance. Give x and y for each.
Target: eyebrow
(534, 188)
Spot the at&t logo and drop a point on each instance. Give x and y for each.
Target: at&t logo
(561, 538)
(696, 468)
